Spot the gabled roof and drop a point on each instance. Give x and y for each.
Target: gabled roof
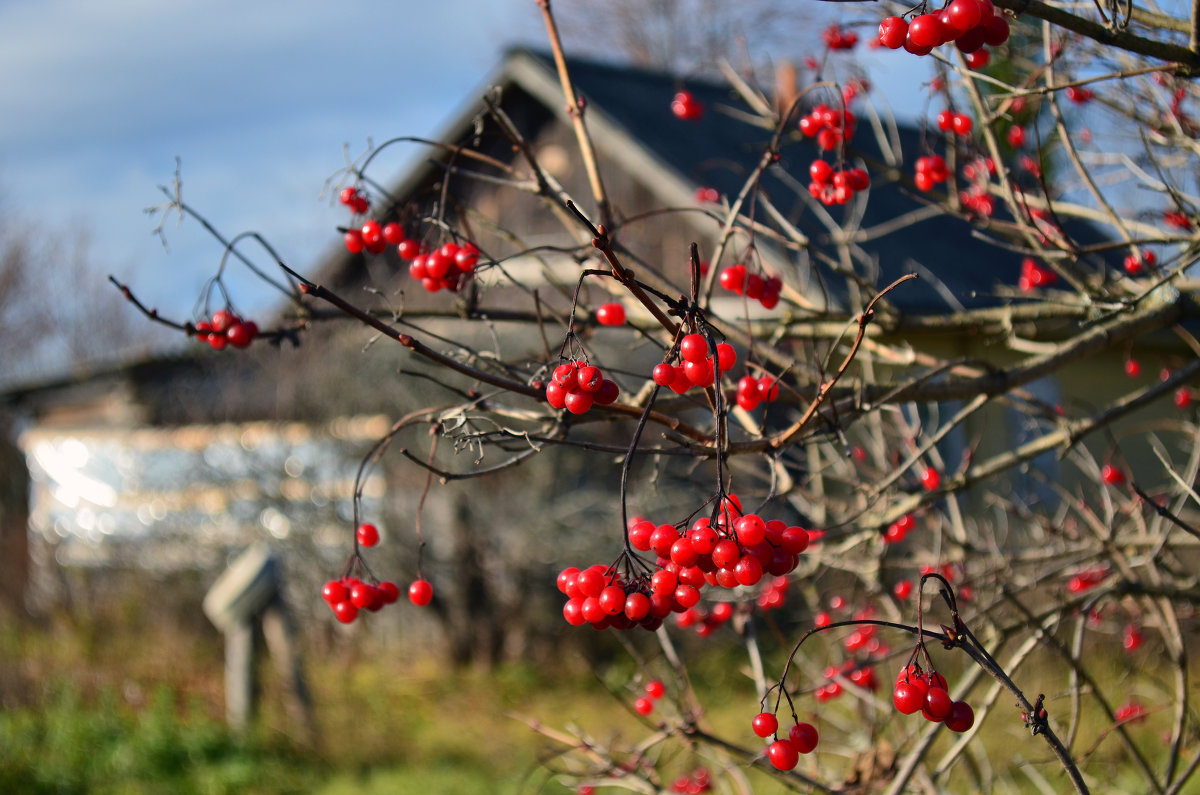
(628, 113)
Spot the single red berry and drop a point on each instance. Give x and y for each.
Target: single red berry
(367, 535)
(961, 717)
(335, 591)
(1133, 368)
(347, 196)
(1183, 398)
(420, 593)
(908, 697)
(693, 348)
(1112, 475)
(610, 315)
(393, 233)
(783, 755)
(903, 589)
(925, 31)
(892, 32)
(931, 479)
(240, 335)
(389, 592)
(937, 704)
(345, 611)
(765, 724)
(372, 234)
(804, 737)
(655, 689)
(643, 706)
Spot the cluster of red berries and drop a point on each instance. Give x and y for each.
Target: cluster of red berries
(736, 279)
(346, 596)
(899, 529)
(970, 24)
(927, 692)
(373, 237)
(978, 200)
(836, 187)
(355, 199)
(654, 690)
(226, 328)
(1034, 275)
(577, 386)
(1079, 95)
(687, 107)
(828, 125)
(448, 267)
(773, 594)
(737, 550)
(697, 367)
(958, 123)
(837, 39)
(1177, 219)
(697, 782)
(610, 314)
(1134, 264)
(860, 674)
(705, 622)
(784, 754)
(931, 170)
(752, 391)
(1087, 579)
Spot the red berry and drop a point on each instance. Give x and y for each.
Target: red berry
(783, 755)
(389, 592)
(408, 249)
(765, 724)
(925, 31)
(937, 704)
(903, 589)
(804, 737)
(345, 611)
(1112, 475)
(347, 196)
(240, 335)
(367, 535)
(908, 697)
(1183, 398)
(693, 348)
(643, 706)
(1132, 368)
(961, 717)
(610, 315)
(578, 401)
(931, 479)
(655, 688)
(354, 241)
(420, 593)
(335, 591)
(733, 278)
(372, 234)
(892, 32)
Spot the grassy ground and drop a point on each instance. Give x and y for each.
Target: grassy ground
(102, 708)
(129, 706)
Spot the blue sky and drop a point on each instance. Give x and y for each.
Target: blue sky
(256, 98)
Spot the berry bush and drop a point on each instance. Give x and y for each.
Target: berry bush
(988, 507)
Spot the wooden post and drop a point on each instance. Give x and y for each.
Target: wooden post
(239, 675)
(249, 592)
